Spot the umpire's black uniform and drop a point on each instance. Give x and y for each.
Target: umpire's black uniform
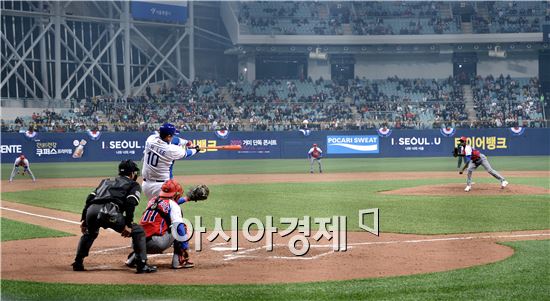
(112, 205)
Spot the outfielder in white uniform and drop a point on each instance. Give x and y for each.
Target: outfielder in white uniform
(315, 154)
(21, 161)
(161, 150)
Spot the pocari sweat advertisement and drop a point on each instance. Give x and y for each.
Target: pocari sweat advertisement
(367, 144)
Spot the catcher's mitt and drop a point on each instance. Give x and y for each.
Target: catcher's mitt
(198, 193)
(455, 152)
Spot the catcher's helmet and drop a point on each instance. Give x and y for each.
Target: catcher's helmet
(463, 138)
(168, 129)
(127, 167)
(171, 189)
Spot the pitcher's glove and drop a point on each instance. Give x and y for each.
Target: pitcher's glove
(198, 193)
(455, 152)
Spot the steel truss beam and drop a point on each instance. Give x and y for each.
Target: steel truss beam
(89, 55)
(94, 63)
(20, 44)
(164, 59)
(152, 60)
(103, 20)
(163, 56)
(82, 58)
(25, 54)
(20, 78)
(77, 59)
(21, 61)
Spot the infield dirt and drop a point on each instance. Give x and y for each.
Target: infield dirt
(368, 256)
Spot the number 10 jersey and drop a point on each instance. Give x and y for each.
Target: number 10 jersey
(159, 156)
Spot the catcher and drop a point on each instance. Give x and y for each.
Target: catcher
(163, 217)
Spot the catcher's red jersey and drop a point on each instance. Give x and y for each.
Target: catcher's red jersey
(152, 221)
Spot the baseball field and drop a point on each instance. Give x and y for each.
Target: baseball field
(436, 241)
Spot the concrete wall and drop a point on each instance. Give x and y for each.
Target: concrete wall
(11, 113)
(318, 68)
(248, 62)
(244, 39)
(516, 65)
(404, 66)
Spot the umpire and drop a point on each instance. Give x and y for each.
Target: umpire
(112, 205)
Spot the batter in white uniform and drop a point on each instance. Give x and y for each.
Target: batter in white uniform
(161, 150)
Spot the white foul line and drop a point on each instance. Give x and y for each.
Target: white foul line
(242, 254)
(42, 216)
(46, 216)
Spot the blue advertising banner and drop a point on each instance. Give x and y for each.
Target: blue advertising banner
(161, 11)
(352, 144)
(88, 146)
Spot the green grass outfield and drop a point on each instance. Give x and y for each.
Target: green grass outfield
(411, 214)
(15, 230)
(524, 276)
(194, 167)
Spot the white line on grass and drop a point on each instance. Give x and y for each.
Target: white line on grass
(42, 216)
(243, 254)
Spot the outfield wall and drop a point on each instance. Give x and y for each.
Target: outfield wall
(61, 147)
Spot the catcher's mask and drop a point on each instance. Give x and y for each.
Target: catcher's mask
(171, 189)
(127, 167)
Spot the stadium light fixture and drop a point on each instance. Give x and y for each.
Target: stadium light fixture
(498, 52)
(318, 54)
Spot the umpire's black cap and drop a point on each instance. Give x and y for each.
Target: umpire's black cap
(127, 167)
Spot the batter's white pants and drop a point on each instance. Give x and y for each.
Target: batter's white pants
(151, 189)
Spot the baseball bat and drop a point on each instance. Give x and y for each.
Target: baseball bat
(224, 147)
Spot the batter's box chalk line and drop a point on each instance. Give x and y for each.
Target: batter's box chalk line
(265, 255)
(246, 253)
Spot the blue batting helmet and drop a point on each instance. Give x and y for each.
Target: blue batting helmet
(168, 129)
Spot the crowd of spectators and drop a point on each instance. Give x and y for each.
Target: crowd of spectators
(505, 101)
(288, 18)
(408, 18)
(511, 16)
(329, 18)
(389, 17)
(279, 105)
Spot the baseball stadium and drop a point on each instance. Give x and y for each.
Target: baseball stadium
(275, 150)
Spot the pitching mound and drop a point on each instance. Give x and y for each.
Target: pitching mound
(477, 189)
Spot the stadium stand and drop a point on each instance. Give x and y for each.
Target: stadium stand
(505, 101)
(388, 17)
(510, 16)
(283, 104)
